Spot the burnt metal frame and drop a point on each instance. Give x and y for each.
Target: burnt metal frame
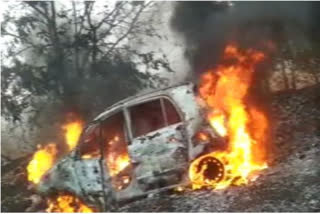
(128, 126)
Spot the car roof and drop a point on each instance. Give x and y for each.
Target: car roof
(141, 96)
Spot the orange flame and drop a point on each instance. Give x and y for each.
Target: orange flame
(224, 91)
(72, 133)
(45, 158)
(67, 204)
(217, 121)
(117, 162)
(203, 136)
(41, 162)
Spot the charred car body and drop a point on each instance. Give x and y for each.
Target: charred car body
(137, 146)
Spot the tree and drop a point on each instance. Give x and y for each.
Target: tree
(76, 57)
(297, 56)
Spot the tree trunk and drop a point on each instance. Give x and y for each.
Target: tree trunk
(76, 50)
(93, 31)
(59, 54)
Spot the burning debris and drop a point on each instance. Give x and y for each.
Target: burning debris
(224, 90)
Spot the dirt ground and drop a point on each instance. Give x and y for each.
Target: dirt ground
(290, 184)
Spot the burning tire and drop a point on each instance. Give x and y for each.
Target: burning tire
(214, 169)
(206, 171)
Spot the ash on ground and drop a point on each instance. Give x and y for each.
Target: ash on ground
(290, 184)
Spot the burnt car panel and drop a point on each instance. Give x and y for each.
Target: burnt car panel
(155, 158)
(61, 177)
(139, 145)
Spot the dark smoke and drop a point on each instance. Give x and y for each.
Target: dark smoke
(207, 26)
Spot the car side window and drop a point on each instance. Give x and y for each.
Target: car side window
(146, 117)
(152, 115)
(90, 144)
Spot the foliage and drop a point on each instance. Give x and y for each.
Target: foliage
(76, 57)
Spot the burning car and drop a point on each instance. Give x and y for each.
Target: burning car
(212, 136)
(137, 146)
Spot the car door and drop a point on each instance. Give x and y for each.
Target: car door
(158, 147)
(118, 169)
(88, 165)
(115, 149)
